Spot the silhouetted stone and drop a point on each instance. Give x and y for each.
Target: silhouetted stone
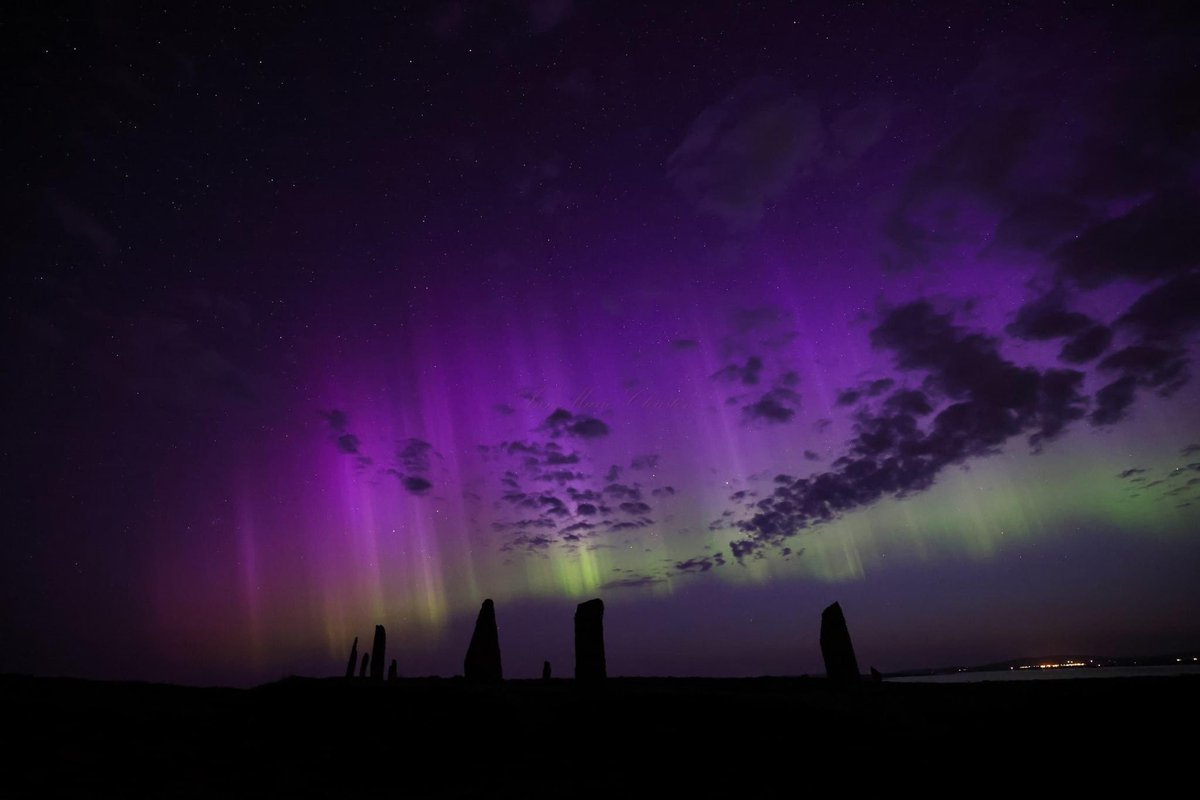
(589, 641)
(362, 672)
(483, 654)
(377, 653)
(392, 671)
(840, 664)
(876, 675)
(545, 670)
(353, 662)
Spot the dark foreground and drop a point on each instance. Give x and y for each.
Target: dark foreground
(666, 737)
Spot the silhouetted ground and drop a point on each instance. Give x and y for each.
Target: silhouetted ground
(740, 738)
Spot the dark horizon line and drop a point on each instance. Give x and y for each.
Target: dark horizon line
(1159, 659)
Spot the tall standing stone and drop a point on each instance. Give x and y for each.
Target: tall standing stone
(353, 662)
(840, 664)
(483, 654)
(589, 641)
(377, 652)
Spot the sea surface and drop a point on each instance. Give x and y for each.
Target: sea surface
(1062, 673)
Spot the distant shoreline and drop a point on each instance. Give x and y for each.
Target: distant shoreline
(1052, 674)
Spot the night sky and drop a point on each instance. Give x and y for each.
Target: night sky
(317, 318)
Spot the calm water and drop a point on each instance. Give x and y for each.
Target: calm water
(1055, 674)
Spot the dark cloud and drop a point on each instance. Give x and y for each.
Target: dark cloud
(415, 484)
(1156, 239)
(1018, 158)
(746, 548)
(989, 401)
(552, 505)
(774, 407)
(628, 525)
(879, 386)
(847, 397)
(700, 564)
(528, 541)
(345, 441)
(504, 408)
(563, 422)
(538, 522)
(663, 491)
(1168, 312)
(413, 455)
(1113, 401)
(413, 462)
(1190, 450)
(555, 457)
(1150, 366)
(620, 490)
(632, 507)
(809, 455)
(909, 401)
(585, 509)
(1048, 318)
(560, 476)
(1120, 204)
(685, 344)
(1086, 345)
(1129, 473)
(747, 375)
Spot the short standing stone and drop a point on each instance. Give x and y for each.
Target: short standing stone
(362, 671)
(483, 654)
(840, 664)
(545, 670)
(392, 671)
(589, 641)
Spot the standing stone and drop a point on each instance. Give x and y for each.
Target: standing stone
(377, 651)
(483, 655)
(353, 662)
(840, 664)
(589, 641)
(392, 671)
(362, 671)
(876, 675)
(545, 670)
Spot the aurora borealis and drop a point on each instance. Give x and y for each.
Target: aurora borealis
(318, 319)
